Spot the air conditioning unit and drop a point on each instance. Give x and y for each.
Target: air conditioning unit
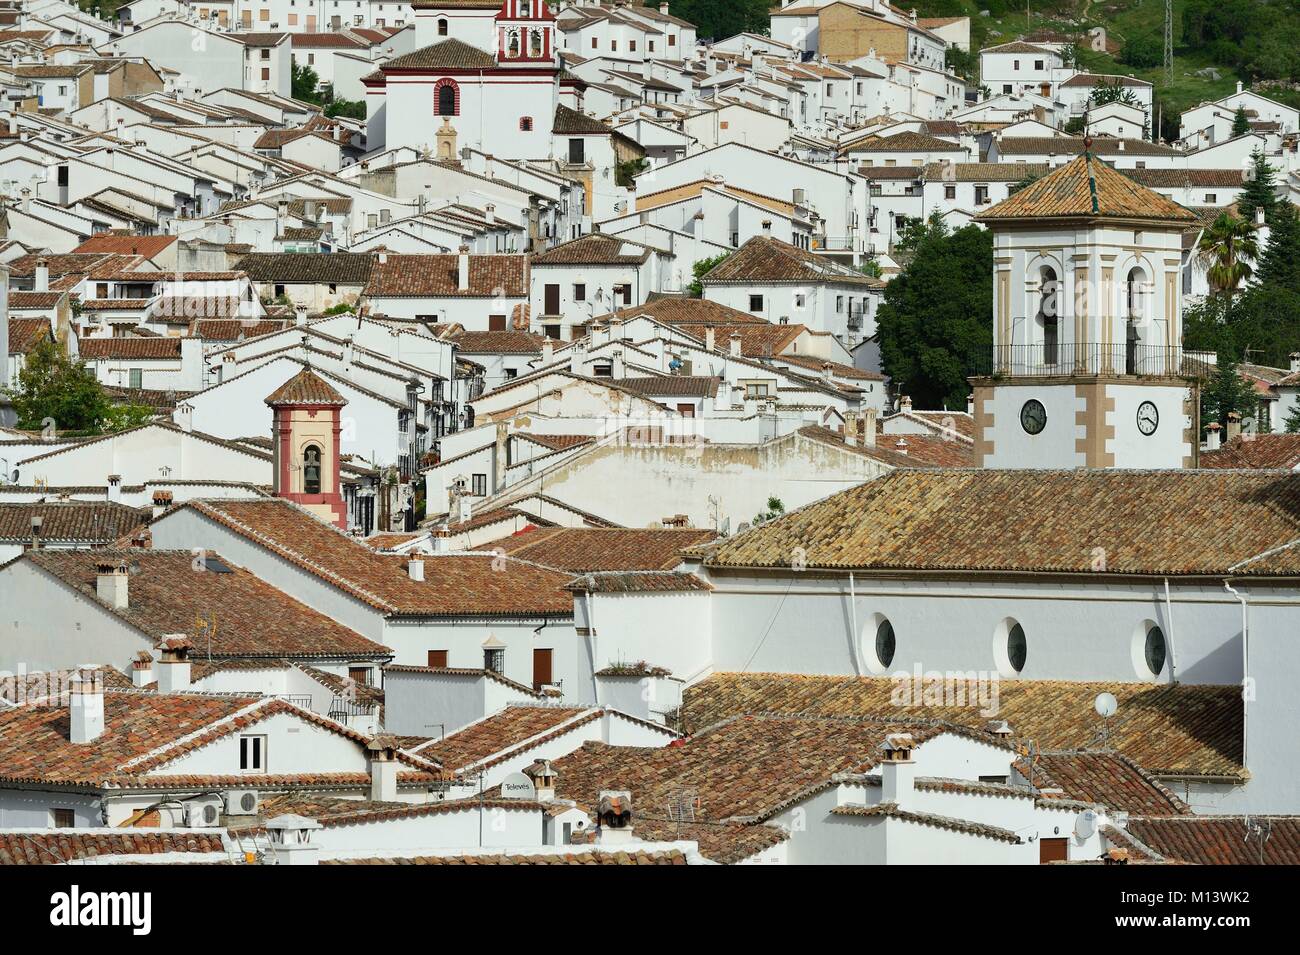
(242, 802)
(202, 815)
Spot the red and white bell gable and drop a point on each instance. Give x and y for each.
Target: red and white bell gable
(525, 33)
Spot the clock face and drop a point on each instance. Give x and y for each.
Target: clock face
(1148, 418)
(1033, 416)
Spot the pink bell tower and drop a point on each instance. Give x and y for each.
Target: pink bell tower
(305, 430)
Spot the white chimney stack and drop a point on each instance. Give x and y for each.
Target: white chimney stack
(290, 839)
(614, 818)
(142, 669)
(462, 269)
(86, 708)
(114, 492)
(735, 344)
(173, 668)
(490, 213)
(42, 266)
(897, 770)
(548, 351)
(905, 404)
(1213, 436)
(543, 777)
(111, 584)
(382, 751)
(710, 338)
(868, 428)
(415, 568)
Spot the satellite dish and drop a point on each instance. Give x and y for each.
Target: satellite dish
(518, 786)
(1105, 705)
(1085, 824)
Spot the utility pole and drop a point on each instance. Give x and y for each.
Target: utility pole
(1169, 40)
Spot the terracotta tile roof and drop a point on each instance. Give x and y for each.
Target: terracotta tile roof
(333, 811)
(24, 300)
(92, 349)
(61, 846)
(1194, 523)
(1104, 79)
(234, 329)
(570, 122)
(1168, 729)
(677, 386)
(837, 369)
(228, 611)
(313, 268)
(85, 522)
(449, 54)
(979, 171)
(725, 843)
(596, 248)
(1219, 840)
(1086, 188)
(916, 451)
(638, 582)
(502, 732)
(904, 142)
(428, 276)
(893, 811)
(26, 333)
(1019, 46)
(1178, 178)
(456, 585)
(305, 388)
(499, 343)
(574, 856)
(31, 686)
(471, 672)
(582, 549)
(763, 259)
(146, 245)
(320, 40)
(556, 442)
(679, 310)
(757, 340)
(1279, 450)
(1108, 778)
(115, 304)
(1074, 146)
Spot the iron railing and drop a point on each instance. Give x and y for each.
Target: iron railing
(1050, 359)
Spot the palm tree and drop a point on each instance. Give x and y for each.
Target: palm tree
(1227, 251)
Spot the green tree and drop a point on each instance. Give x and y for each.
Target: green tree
(347, 108)
(1240, 122)
(1227, 251)
(1279, 266)
(1225, 392)
(303, 84)
(1143, 52)
(774, 510)
(1292, 422)
(937, 315)
(1115, 92)
(1259, 191)
(719, 19)
(57, 393)
(702, 268)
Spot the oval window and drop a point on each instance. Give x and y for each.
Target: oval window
(1156, 650)
(885, 643)
(1016, 647)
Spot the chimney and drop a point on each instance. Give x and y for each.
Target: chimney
(851, 430)
(142, 669)
(1259, 217)
(614, 817)
(42, 265)
(349, 355)
(290, 841)
(281, 214)
(1295, 361)
(383, 257)
(970, 404)
(37, 522)
(173, 669)
(868, 427)
(897, 770)
(114, 493)
(183, 416)
(86, 707)
(1234, 425)
(462, 269)
(442, 540)
(26, 206)
(905, 404)
(901, 446)
(500, 456)
(543, 777)
(415, 569)
(1000, 729)
(300, 315)
(490, 214)
(1213, 436)
(382, 751)
(1238, 86)
(548, 351)
(663, 8)
(735, 344)
(710, 338)
(111, 581)
(161, 501)
(616, 365)
(1120, 147)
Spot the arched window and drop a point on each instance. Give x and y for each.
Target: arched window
(885, 643)
(446, 98)
(1155, 650)
(526, 124)
(1049, 314)
(442, 27)
(512, 45)
(535, 43)
(1017, 648)
(311, 470)
(1133, 292)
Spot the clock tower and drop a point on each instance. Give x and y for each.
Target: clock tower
(1087, 364)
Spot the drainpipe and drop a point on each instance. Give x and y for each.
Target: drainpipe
(591, 627)
(853, 617)
(1245, 665)
(1169, 622)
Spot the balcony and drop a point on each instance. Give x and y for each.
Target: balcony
(1086, 359)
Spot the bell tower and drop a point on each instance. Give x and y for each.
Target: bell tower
(525, 33)
(305, 431)
(1087, 366)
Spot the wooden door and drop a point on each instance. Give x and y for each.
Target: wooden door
(552, 304)
(541, 668)
(1053, 850)
(438, 659)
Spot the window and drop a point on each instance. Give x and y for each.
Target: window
(359, 675)
(885, 643)
(1006, 89)
(438, 659)
(577, 151)
(494, 659)
(672, 39)
(252, 754)
(839, 304)
(580, 293)
(1211, 199)
(266, 74)
(595, 43)
(1038, 64)
(1049, 315)
(311, 59)
(756, 389)
(446, 98)
(1017, 648)
(311, 470)
(756, 303)
(264, 15)
(1155, 650)
(981, 195)
(799, 299)
(613, 45)
(63, 819)
(478, 486)
(651, 43)
(525, 124)
(631, 45)
(442, 27)
(266, 54)
(950, 192)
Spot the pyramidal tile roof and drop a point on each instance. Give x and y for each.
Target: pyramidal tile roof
(1086, 187)
(306, 388)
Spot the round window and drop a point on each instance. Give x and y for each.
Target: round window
(1016, 648)
(885, 643)
(1155, 650)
